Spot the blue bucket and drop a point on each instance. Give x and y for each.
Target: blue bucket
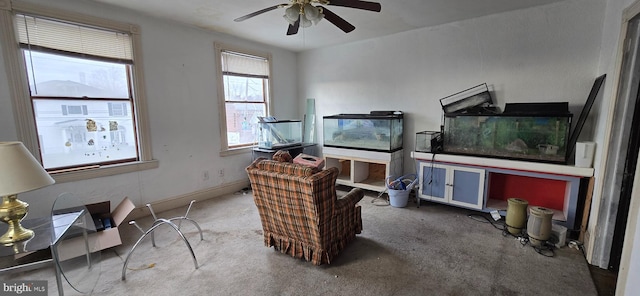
(399, 189)
(398, 198)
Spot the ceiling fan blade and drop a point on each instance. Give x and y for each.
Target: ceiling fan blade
(293, 29)
(366, 5)
(338, 21)
(248, 16)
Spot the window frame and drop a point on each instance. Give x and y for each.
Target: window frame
(219, 48)
(21, 97)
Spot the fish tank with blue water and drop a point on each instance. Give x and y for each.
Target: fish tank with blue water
(377, 131)
(523, 131)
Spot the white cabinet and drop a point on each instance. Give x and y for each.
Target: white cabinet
(455, 185)
(363, 169)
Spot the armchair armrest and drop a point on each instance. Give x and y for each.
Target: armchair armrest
(348, 201)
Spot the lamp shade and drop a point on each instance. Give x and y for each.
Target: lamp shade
(19, 170)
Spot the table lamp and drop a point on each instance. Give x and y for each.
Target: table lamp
(19, 172)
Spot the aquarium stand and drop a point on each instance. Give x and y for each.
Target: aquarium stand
(486, 184)
(363, 169)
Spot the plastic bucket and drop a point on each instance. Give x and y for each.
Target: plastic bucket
(398, 198)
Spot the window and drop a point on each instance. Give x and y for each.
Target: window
(75, 110)
(244, 84)
(65, 73)
(118, 109)
(82, 106)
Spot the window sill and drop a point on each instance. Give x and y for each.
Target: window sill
(236, 151)
(105, 171)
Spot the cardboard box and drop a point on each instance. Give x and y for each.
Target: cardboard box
(100, 240)
(309, 160)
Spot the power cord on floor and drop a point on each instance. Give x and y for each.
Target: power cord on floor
(484, 219)
(143, 267)
(578, 246)
(243, 191)
(379, 200)
(546, 249)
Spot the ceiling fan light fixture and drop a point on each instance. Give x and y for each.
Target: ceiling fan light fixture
(306, 13)
(292, 13)
(313, 13)
(304, 21)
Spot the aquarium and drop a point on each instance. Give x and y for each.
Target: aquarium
(377, 131)
(428, 141)
(274, 134)
(537, 137)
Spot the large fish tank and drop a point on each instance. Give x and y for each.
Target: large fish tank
(372, 132)
(537, 138)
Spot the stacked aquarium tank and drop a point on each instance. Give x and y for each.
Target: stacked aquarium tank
(377, 131)
(274, 134)
(523, 131)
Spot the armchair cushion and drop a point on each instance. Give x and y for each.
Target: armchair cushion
(282, 156)
(300, 212)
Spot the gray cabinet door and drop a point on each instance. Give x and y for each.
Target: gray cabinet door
(455, 185)
(467, 187)
(433, 182)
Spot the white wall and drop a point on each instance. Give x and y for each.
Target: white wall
(543, 54)
(181, 93)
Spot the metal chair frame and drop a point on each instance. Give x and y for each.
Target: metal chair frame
(157, 223)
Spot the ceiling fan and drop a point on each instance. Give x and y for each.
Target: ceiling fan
(306, 12)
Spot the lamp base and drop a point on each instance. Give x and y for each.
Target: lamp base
(15, 234)
(12, 210)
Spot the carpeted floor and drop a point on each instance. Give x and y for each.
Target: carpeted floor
(431, 250)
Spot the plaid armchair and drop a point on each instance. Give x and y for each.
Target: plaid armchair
(300, 213)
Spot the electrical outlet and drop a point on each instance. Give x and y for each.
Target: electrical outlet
(221, 173)
(205, 175)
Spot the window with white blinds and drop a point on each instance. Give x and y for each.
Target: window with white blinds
(234, 63)
(69, 65)
(45, 34)
(244, 85)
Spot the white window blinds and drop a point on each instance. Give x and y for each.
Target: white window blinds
(239, 64)
(45, 34)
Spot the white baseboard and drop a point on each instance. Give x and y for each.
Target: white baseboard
(185, 199)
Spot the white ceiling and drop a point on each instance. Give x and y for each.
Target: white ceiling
(270, 27)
